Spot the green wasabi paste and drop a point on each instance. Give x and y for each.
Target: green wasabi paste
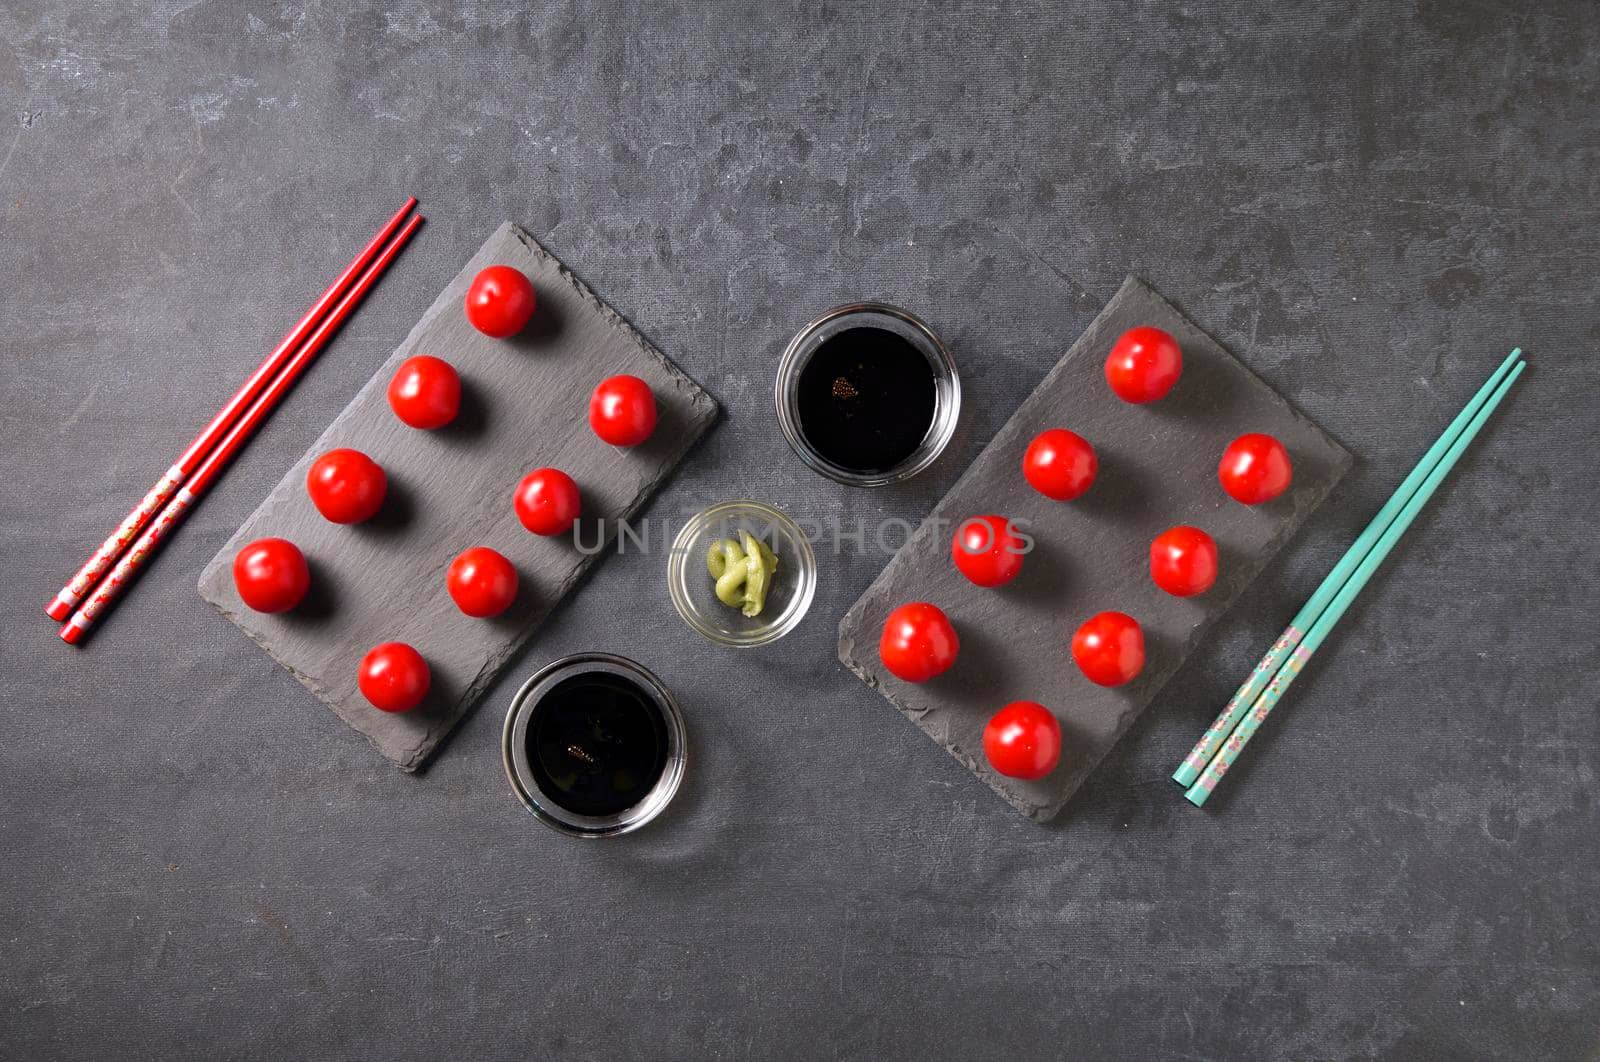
(743, 572)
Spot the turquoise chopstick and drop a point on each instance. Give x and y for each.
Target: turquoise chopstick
(1286, 674)
(1223, 725)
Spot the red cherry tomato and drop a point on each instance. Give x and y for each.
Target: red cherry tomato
(1183, 561)
(1109, 648)
(394, 677)
(1060, 464)
(918, 642)
(623, 411)
(1023, 740)
(547, 501)
(425, 392)
(482, 582)
(988, 550)
(1255, 468)
(500, 301)
(1144, 364)
(346, 486)
(271, 575)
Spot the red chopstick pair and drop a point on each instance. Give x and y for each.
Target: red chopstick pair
(108, 572)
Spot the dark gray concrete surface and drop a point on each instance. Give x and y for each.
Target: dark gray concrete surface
(1368, 207)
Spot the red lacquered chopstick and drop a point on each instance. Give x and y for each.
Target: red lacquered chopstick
(172, 514)
(61, 606)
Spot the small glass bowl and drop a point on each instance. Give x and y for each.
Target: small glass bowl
(514, 747)
(694, 591)
(911, 328)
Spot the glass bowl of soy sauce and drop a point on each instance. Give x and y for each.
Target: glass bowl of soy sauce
(867, 395)
(594, 745)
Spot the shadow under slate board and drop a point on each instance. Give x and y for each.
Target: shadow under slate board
(524, 405)
(1158, 468)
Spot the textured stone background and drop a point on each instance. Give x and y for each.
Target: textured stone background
(197, 860)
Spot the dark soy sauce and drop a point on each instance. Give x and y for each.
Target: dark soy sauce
(597, 744)
(866, 399)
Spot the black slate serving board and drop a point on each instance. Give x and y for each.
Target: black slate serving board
(1158, 467)
(524, 404)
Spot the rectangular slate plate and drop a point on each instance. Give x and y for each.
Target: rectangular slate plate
(1158, 467)
(525, 404)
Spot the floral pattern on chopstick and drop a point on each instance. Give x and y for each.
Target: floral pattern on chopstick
(1220, 727)
(112, 547)
(1251, 723)
(109, 590)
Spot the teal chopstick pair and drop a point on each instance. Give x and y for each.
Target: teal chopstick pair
(1249, 707)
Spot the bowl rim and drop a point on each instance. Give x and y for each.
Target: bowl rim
(780, 624)
(947, 396)
(514, 748)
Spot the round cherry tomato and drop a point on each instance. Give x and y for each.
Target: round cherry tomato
(1023, 740)
(1060, 464)
(988, 550)
(425, 392)
(482, 582)
(500, 301)
(547, 501)
(394, 677)
(1144, 364)
(623, 411)
(1183, 561)
(1255, 468)
(1109, 648)
(918, 642)
(271, 575)
(346, 486)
